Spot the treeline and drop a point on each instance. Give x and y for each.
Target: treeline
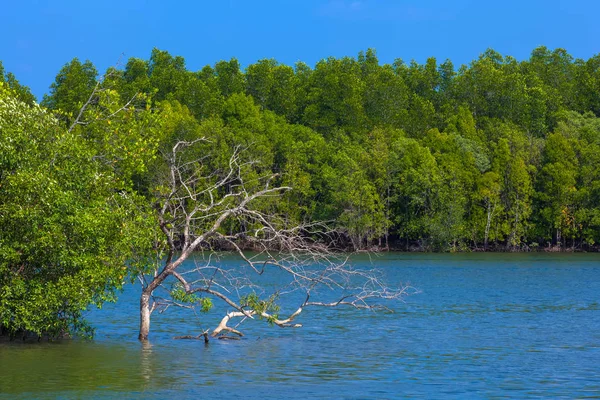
(499, 154)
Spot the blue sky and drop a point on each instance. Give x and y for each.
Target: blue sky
(38, 37)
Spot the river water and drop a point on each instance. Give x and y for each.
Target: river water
(483, 325)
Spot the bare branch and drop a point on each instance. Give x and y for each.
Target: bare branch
(208, 209)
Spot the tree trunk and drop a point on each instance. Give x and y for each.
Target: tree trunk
(487, 226)
(513, 233)
(387, 218)
(144, 316)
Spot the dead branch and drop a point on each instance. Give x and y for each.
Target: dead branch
(93, 98)
(202, 200)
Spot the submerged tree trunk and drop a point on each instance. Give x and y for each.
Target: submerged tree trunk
(144, 316)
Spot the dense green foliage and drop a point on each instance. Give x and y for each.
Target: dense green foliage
(498, 154)
(19, 91)
(71, 230)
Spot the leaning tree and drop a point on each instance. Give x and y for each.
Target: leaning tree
(195, 200)
(203, 207)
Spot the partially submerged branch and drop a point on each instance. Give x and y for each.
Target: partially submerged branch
(203, 335)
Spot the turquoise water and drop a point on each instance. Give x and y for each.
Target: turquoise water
(484, 325)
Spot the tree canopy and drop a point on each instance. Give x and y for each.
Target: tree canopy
(498, 154)
(69, 221)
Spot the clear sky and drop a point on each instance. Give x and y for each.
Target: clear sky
(37, 37)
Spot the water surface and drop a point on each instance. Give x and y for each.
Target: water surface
(484, 325)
